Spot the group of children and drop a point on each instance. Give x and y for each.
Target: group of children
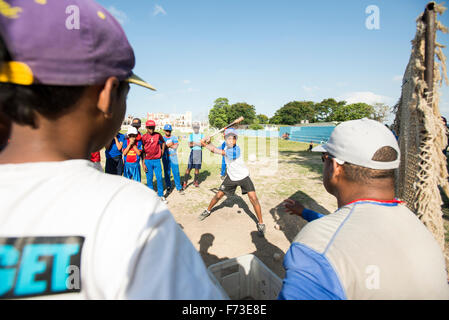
(126, 154)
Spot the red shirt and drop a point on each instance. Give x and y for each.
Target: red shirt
(95, 156)
(152, 145)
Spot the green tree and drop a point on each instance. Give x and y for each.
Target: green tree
(293, 112)
(241, 109)
(263, 119)
(352, 112)
(218, 114)
(325, 109)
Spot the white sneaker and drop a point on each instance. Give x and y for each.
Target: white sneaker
(164, 200)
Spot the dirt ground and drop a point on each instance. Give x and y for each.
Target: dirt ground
(230, 231)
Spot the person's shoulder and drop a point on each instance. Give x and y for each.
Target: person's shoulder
(318, 233)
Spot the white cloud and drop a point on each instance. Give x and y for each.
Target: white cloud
(186, 82)
(118, 14)
(158, 10)
(397, 78)
(366, 97)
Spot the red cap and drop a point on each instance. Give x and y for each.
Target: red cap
(150, 123)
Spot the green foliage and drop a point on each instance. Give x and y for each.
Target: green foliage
(218, 114)
(293, 112)
(352, 112)
(262, 118)
(222, 113)
(326, 108)
(241, 109)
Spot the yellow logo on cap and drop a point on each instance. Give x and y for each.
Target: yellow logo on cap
(8, 11)
(101, 15)
(17, 73)
(41, 1)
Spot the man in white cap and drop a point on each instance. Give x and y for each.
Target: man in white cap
(373, 246)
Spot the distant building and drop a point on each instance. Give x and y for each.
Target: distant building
(175, 119)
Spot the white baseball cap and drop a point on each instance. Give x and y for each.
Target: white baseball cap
(357, 141)
(132, 130)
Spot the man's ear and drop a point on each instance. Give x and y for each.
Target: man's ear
(108, 96)
(338, 171)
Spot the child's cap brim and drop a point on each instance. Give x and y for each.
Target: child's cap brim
(139, 81)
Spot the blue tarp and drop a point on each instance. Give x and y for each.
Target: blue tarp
(318, 134)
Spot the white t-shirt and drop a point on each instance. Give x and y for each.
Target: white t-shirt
(235, 166)
(59, 220)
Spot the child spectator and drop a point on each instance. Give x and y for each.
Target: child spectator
(113, 152)
(132, 149)
(154, 148)
(196, 155)
(170, 159)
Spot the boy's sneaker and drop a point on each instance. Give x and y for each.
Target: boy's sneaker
(181, 191)
(196, 184)
(164, 200)
(168, 190)
(184, 185)
(261, 229)
(204, 215)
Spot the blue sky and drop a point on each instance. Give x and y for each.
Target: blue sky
(267, 53)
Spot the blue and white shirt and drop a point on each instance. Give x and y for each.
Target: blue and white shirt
(235, 166)
(367, 249)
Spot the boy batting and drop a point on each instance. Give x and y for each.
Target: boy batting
(237, 176)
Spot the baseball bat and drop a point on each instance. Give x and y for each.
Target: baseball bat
(236, 121)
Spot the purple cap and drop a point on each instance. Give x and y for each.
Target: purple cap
(64, 42)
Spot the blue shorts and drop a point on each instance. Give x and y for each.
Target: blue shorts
(195, 159)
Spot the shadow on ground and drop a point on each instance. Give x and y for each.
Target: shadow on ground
(201, 177)
(268, 253)
(206, 241)
(290, 224)
(230, 201)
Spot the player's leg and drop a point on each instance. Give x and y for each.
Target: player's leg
(189, 167)
(119, 166)
(110, 167)
(212, 203)
(248, 188)
(175, 169)
(198, 158)
(223, 168)
(136, 174)
(256, 205)
(158, 173)
(149, 174)
(126, 172)
(196, 180)
(166, 165)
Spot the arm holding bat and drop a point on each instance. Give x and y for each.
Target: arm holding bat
(206, 143)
